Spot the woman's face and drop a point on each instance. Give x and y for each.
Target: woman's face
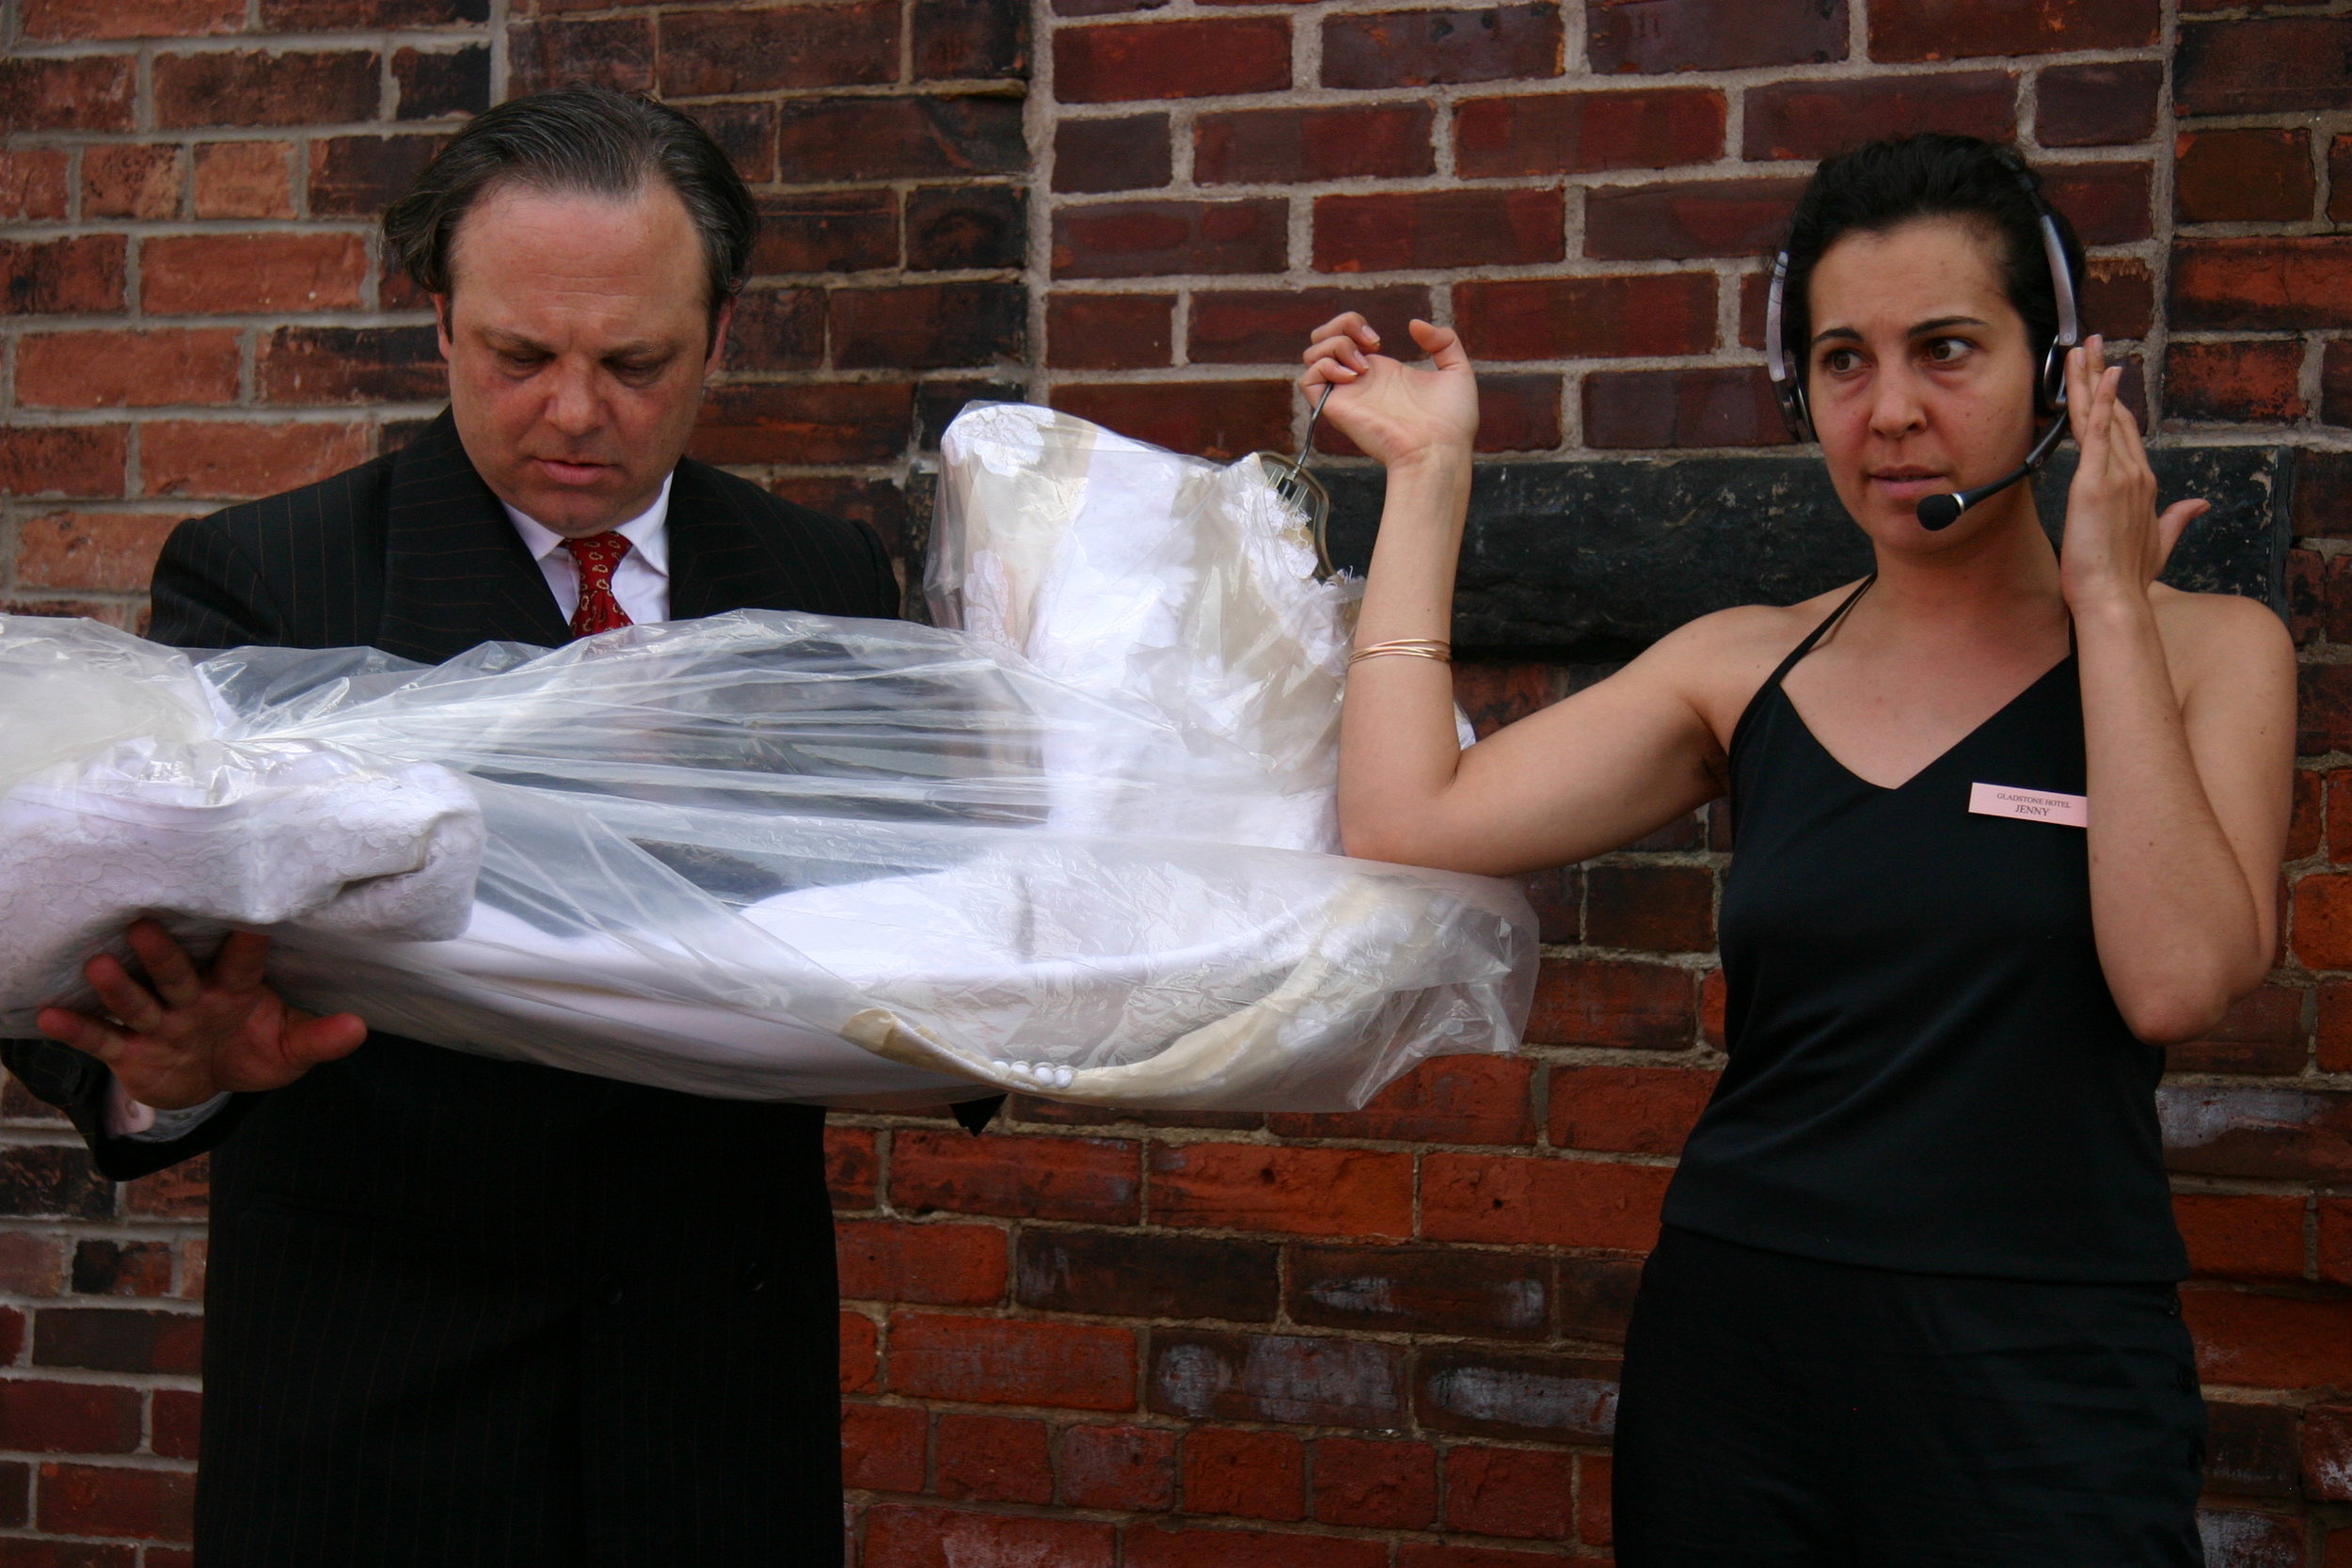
(1921, 380)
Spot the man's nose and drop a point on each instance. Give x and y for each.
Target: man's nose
(573, 407)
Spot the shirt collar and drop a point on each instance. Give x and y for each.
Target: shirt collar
(648, 534)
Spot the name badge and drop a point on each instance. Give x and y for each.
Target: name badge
(2067, 811)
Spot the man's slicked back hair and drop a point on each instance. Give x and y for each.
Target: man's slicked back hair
(592, 140)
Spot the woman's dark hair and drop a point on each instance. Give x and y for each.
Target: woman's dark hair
(590, 140)
(1883, 185)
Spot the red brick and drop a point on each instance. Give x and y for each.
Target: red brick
(955, 41)
(1526, 1396)
(76, 20)
(993, 1459)
(1583, 317)
(1438, 229)
(1519, 413)
(1278, 1378)
(1208, 58)
(851, 1166)
(867, 422)
(33, 184)
(52, 1182)
(1095, 1179)
(322, 15)
(1376, 1484)
(2269, 1341)
(2242, 1236)
(111, 1268)
(195, 1252)
(1611, 1003)
(861, 1354)
(1129, 1468)
(1422, 48)
(1420, 1556)
(2308, 823)
(1255, 1475)
(1574, 1203)
(927, 326)
(86, 92)
(126, 370)
(1143, 239)
(1594, 1524)
(1108, 332)
(1120, 1273)
(225, 461)
(1626, 1110)
(2108, 203)
(2263, 65)
(1297, 1191)
(244, 179)
(788, 48)
(2323, 921)
(1813, 120)
(81, 460)
(1250, 146)
(94, 1499)
(604, 52)
(256, 87)
(1644, 410)
(1714, 995)
(31, 1264)
(2253, 1450)
(79, 276)
(361, 176)
(69, 1417)
(1680, 219)
(937, 1265)
(1519, 1491)
(2324, 710)
(131, 179)
(2307, 593)
(2262, 1032)
(919, 138)
(2335, 383)
(1267, 327)
(2254, 176)
(175, 1415)
(2335, 1240)
(2261, 284)
(1450, 1100)
(2119, 298)
(878, 503)
(116, 1339)
(11, 1335)
(437, 84)
(1131, 152)
(2256, 381)
(1940, 30)
(777, 329)
(1222, 420)
(882, 1447)
(1712, 34)
(827, 231)
(902, 1535)
(1421, 1291)
(2097, 105)
(997, 1361)
(178, 1192)
(1660, 908)
(1579, 133)
(2340, 180)
(1173, 1546)
(2327, 1452)
(248, 274)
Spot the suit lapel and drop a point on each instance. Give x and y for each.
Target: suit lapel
(455, 573)
(718, 560)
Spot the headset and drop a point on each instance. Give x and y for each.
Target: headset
(1941, 511)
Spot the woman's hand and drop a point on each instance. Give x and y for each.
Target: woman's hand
(1400, 414)
(2116, 543)
(198, 1033)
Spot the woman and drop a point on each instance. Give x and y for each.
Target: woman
(1913, 1300)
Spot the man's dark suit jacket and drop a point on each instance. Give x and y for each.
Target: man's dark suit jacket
(463, 1311)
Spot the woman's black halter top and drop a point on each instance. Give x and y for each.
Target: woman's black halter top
(1927, 1069)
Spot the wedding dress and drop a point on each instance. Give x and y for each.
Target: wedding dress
(1084, 846)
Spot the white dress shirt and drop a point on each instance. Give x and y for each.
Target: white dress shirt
(640, 583)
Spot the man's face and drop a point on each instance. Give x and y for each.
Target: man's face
(577, 340)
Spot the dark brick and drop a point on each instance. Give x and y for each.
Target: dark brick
(2323, 495)
(2323, 709)
(1654, 35)
(609, 52)
(938, 403)
(2268, 1133)
(253, 86)
(2256, 176)
(2335, 384)
(1612, 1003)
(927, 326)
(2264, 66)
(827, 231)
(746, 133)
(1446, 1099)
(876, 502)
(1448, 1291)
(1268, 326)
(2097, 105)
(2261, 284)
(2253, 1450)
(1596, 1296)
(116, 1500)
(777, 329)
(72, 276)
(1220, 419)
(1659, 909)
(102, 1268)
(88, 92)
(131, 181)
(970, 39)
(1146, 239)
(1128, 153)
(2262, 1032)
(2108, 203)
(1582, 317)
(1418, 49)
(1939, 30)
(1814, 120)
(69, 1417)
(2340, 180)
(1678, 219)
(1203, 58)
(442, 82)
(1515, 1394)
(956, 228)
(1712, 407)
(116, 1339)
(1249, 147)
(1277, 1378)
(359, 176)
(2119, 298)
(779, 48)
(1438, 229)
(318, 16)
(1108, 332)
(72, 460)
(2258, 380)
(900, 138)
(864, 422)
(53, 1181)
(351, 364)
(1126, 1274)
(1578, 133)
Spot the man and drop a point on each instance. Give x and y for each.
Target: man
(460, 1311)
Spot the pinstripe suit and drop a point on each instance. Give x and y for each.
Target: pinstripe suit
(464, 1311)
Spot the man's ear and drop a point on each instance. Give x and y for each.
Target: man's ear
(441, 322)
(719, 325)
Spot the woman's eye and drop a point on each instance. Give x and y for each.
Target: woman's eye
(1839, 361)
(1947, 351)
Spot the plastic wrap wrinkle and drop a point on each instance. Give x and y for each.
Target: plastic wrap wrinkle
(1084, 846)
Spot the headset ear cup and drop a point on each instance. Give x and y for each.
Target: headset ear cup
(1792, 409)
(2050, 396)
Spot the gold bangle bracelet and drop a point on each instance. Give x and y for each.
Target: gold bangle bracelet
(1410, 647)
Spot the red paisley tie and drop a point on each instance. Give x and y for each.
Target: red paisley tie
(598, 555)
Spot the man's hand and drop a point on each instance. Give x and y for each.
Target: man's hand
(195, 1034)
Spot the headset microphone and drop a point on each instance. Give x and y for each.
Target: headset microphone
(1942, 512)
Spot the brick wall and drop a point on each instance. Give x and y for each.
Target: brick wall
(1085, 1339)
